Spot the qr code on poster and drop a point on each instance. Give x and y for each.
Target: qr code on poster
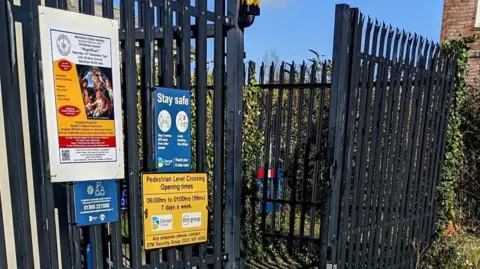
(65, 155)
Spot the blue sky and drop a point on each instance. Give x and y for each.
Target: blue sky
(292, 27)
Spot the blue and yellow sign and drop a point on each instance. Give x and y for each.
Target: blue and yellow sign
(172, 131)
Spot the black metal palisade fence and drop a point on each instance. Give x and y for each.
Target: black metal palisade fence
(161, 41)
(359, 180)
(352, 155)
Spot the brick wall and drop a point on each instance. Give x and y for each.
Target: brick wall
(459, 20)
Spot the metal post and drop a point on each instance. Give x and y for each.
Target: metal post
(14, 140)
(43, 188)
(131, 138)
(235, 81)
(337, 122)
(218, 131)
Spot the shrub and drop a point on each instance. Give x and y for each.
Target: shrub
(460, 250)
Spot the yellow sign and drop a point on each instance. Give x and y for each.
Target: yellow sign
(253, 2)
(175, 209)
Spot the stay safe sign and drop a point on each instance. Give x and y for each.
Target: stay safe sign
(174, 209)
(172, 131)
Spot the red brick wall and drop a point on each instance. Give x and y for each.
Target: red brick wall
(459, 20)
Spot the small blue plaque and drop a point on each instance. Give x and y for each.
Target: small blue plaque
(96, 202)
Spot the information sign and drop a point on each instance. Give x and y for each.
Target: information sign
(175, 209)
(172, 131)
(96, 202)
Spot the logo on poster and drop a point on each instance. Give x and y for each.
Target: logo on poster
(162, 222)
(191, 220)
(182, 121)
(63, 45)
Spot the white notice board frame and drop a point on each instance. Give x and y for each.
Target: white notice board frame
(112, 167)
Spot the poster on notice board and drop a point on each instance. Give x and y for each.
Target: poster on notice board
(81, 75)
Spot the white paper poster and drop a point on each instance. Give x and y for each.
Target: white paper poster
(80, 57)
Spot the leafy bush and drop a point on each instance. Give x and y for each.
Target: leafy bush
(460, 250)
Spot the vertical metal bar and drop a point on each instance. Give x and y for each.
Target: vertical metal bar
(421, 147)
(427, 151)
(372, 191)
(201, 95)
(353, 94)
(380, 182)
(288, 138)
(116, 238)
(411, 147)
(409, 250)
(131, 138)
(14, 140)
(147, 85)
(293, 195)
(423, 100)
(391, 123)
(255, 192)
(107, 9)
(437, 135)
(234, 99)
(433, 126)
(168, 77)
(318, 171)
(367, 162)
(96, 241)
(183, 51)
(401, 240)
(441, 133)
(306, 157)
(399, 139)
(276, 149)
(338, 107)
(43, 188)
(399, 100)
(266, 160)
(74, 236)
(360, 158)
(167, 64)
(87, 7)
(218, 131)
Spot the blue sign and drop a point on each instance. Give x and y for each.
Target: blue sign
(172, 131)
(96, 202)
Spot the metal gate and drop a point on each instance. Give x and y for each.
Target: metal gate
(388, 124)
(161, 42)
(353, 148)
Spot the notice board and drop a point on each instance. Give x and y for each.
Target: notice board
(175, 209)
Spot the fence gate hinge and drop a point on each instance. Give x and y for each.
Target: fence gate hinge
(331, 266)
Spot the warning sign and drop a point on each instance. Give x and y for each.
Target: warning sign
(175, 209)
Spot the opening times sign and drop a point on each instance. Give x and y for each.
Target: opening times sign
(175, 209)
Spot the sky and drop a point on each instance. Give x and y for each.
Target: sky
(292, 27)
